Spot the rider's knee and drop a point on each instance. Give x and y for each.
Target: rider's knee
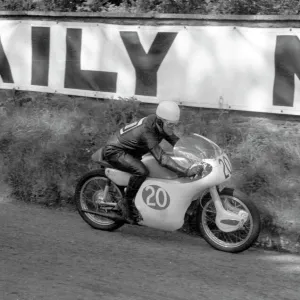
(143, 172)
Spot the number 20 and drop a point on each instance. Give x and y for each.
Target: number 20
(153, 198)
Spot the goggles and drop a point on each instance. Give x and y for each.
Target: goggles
(170, 124)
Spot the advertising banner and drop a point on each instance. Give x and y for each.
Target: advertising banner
(239, 68)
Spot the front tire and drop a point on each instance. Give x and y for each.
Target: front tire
(88, 192)
(234, 242)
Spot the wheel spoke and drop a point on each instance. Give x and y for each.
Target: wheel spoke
(239, 235)
(93, 190)
(247, 226)
(210, 216)
(96, 185)
(216, 232)
(226, 237)
(234, 236)
(88, 200)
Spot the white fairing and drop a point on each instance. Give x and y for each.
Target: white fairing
(154, 194)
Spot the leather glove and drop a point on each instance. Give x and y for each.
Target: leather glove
(194, 171)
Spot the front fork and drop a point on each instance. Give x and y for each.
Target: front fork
(226, 220)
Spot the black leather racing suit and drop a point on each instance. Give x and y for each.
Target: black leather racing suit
(126, 148)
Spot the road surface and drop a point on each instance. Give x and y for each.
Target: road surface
(54, 255)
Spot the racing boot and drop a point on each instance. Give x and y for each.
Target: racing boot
(125, 207)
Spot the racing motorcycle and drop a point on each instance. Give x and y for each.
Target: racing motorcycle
(226, 218)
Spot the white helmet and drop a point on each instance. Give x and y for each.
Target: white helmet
(168, 110)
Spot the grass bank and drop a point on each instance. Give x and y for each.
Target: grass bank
(46, 142)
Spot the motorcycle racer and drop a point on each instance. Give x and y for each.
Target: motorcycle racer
(124, 150)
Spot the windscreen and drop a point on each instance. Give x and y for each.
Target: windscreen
(195, 148)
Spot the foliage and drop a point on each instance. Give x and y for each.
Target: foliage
(237, 7)
(61, 5)
(144, 6)
(46, 142)
(48, 5)
(18, 5)
(254, 7)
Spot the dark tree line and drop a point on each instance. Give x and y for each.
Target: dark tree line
(239, 7)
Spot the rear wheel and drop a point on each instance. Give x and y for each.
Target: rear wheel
(236, 241)
(89, 195)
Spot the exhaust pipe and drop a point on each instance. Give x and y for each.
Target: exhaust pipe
(109, 215)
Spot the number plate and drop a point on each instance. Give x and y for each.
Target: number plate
(156, 197)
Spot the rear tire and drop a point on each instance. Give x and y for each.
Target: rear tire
(228, 242)
(97, 222)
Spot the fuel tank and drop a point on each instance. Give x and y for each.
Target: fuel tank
(156, 170)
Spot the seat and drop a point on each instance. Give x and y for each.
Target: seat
(98, 157)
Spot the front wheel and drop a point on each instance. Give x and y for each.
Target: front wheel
(236, 241)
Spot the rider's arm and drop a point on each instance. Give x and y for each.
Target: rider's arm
(172, 139)
(166, 161)
(152, 143)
